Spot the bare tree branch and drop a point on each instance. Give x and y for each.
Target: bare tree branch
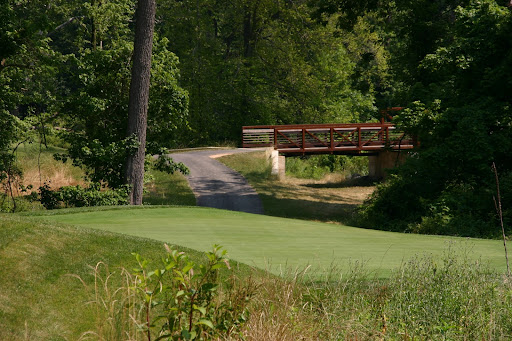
(69, 21)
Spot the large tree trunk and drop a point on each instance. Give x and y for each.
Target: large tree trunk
(139, 95)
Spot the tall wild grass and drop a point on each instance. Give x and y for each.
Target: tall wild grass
(425, 299)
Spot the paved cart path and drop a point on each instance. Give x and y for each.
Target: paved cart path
(216, 185)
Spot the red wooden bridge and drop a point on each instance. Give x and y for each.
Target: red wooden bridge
(302, 139)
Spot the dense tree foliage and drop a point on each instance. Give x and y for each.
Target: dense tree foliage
(462, 114)
(68, 64)
(262, 62)
(27, 63)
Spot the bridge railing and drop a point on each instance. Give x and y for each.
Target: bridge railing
(327, 138)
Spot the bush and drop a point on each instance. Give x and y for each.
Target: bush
(180, 299)
(425, 196)
(23, 203)
(76, 196)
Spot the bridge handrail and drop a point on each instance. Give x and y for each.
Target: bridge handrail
(341, 138)
(320, 125)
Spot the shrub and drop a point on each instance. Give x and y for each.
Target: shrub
(76, 196)
(19, 204)
(189, 296)
(178, 300)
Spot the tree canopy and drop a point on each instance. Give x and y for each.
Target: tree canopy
(460, 109)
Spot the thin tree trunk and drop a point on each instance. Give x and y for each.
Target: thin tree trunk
(93, 27)
(139, 95)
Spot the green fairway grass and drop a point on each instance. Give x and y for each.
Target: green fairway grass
(278, 243)
(40, 296)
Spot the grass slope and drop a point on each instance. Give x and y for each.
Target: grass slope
(39, 297)
(275, 243)
(168, 189)
(423, 300)
(39, 167)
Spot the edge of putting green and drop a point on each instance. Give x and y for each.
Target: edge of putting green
(280, 245)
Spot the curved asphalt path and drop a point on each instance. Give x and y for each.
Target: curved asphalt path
(216, 185)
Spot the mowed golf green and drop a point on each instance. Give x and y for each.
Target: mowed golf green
(277, 244)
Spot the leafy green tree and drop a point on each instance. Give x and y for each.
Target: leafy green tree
(447, 185)
(95, 82)
(27, 72)
(67, 63)
(96, 117)
(260, 62)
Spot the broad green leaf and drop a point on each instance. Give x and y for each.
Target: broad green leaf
(206, 322)
(200, 309)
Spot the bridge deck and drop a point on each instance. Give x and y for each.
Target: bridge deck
(301, 139)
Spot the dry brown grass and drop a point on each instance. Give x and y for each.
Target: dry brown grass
(275, 313)
(58, 176)
(332, 189)
(320, 200)
(39, 166)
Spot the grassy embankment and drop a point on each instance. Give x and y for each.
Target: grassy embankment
(41, 297)
(168, 189)
(450, 297)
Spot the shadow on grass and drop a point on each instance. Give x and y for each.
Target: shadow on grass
(312, 201)
(309, 210)
(363, 181)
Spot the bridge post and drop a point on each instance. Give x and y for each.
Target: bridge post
(378, 164)
(278, 163)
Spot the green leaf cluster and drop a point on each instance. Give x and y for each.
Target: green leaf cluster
(76, 196)
(67, 64)
(185, 300)
(270, 62)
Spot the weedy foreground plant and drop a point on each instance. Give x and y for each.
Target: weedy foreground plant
(451, 298)
(178, 300)
(425, 299)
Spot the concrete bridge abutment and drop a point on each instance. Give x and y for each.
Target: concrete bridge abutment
(380, 163)
(278, 163)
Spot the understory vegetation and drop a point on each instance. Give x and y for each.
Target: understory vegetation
(85, 287)
(460, 110)
(319, 166)
(454, 300)
(46, 183)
